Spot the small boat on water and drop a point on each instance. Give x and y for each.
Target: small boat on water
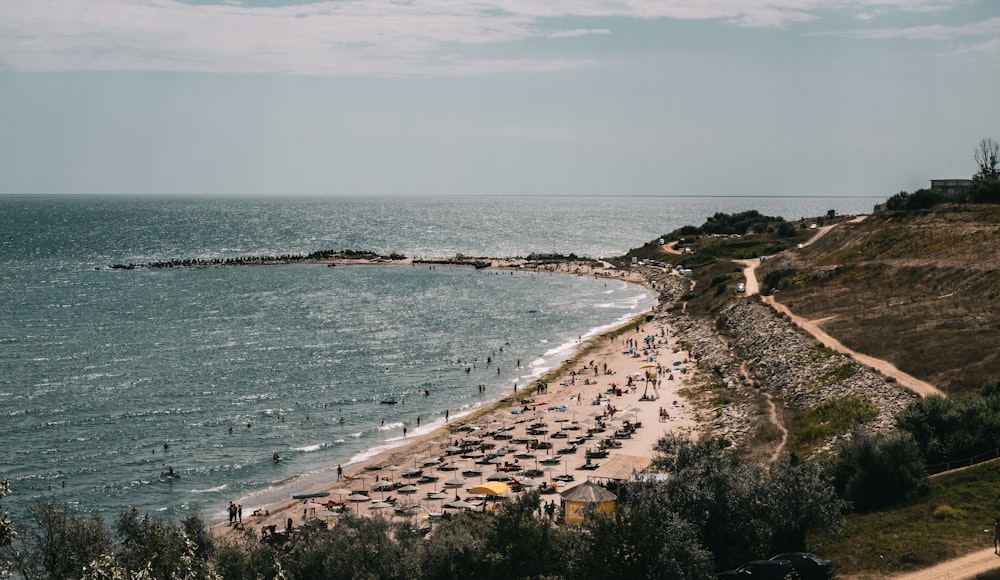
(310, 495)
(481, 264)
(389, 401)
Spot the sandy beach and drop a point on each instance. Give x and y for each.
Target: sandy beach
(588, 422)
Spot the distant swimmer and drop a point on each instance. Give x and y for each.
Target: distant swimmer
(275, 457)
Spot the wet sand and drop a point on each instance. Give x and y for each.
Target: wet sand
(532, 430)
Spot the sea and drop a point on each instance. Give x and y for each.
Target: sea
(110, 378)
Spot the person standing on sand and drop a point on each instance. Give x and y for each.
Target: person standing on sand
(996, 536)
(340, 473)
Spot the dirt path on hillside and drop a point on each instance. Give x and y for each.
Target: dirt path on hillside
(772, 416)
(888, 369)
(964, 567)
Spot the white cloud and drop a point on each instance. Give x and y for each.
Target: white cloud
(576, 32)
(350, 37)
(988, 27)
(991, 46)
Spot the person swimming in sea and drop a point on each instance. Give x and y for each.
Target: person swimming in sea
(275, 457)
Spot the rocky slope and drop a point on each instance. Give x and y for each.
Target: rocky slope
(778, 357)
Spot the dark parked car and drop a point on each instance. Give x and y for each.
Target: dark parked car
(763, 570)
(809, 566)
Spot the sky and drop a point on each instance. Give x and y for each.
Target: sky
(494, 97)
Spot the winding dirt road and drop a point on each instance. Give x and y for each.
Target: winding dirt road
(965, 567)
(888, 369)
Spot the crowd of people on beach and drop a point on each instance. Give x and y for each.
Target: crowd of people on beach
(595, 443)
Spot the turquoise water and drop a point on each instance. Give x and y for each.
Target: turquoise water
(107, 378)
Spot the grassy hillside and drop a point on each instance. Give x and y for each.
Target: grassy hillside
(920, 289)
(953, 519)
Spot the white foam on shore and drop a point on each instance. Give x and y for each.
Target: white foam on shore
(211, 489)
(310, 448)
(280, 491)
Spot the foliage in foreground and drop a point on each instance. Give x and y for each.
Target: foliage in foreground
(954, 429)
(954, 518)
(874, 471)
(710, 513)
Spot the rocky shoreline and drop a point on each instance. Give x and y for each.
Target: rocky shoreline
(748, 348)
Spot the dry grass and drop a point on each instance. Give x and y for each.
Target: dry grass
(921, 291)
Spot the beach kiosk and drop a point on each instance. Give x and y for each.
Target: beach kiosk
(579, 498)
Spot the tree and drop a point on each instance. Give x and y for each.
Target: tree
(165, 550)
(60, 544)
(987, 156)
(877, 470)
(740, 512)
(6, 529)
(803, 499)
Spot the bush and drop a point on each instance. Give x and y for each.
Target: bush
(954, 429)
(873, 471)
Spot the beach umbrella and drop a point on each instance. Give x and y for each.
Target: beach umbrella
(363, 477)
(340, 492)
(491, 488)
(498, 476)
(438, 495)
(380, 505)
(454, 482)
(649, 366)
(358, 498)
(408, 489)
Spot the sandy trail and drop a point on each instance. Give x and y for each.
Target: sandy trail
(888, 369)
(962, 568)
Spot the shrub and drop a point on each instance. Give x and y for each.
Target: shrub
(873, 471)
